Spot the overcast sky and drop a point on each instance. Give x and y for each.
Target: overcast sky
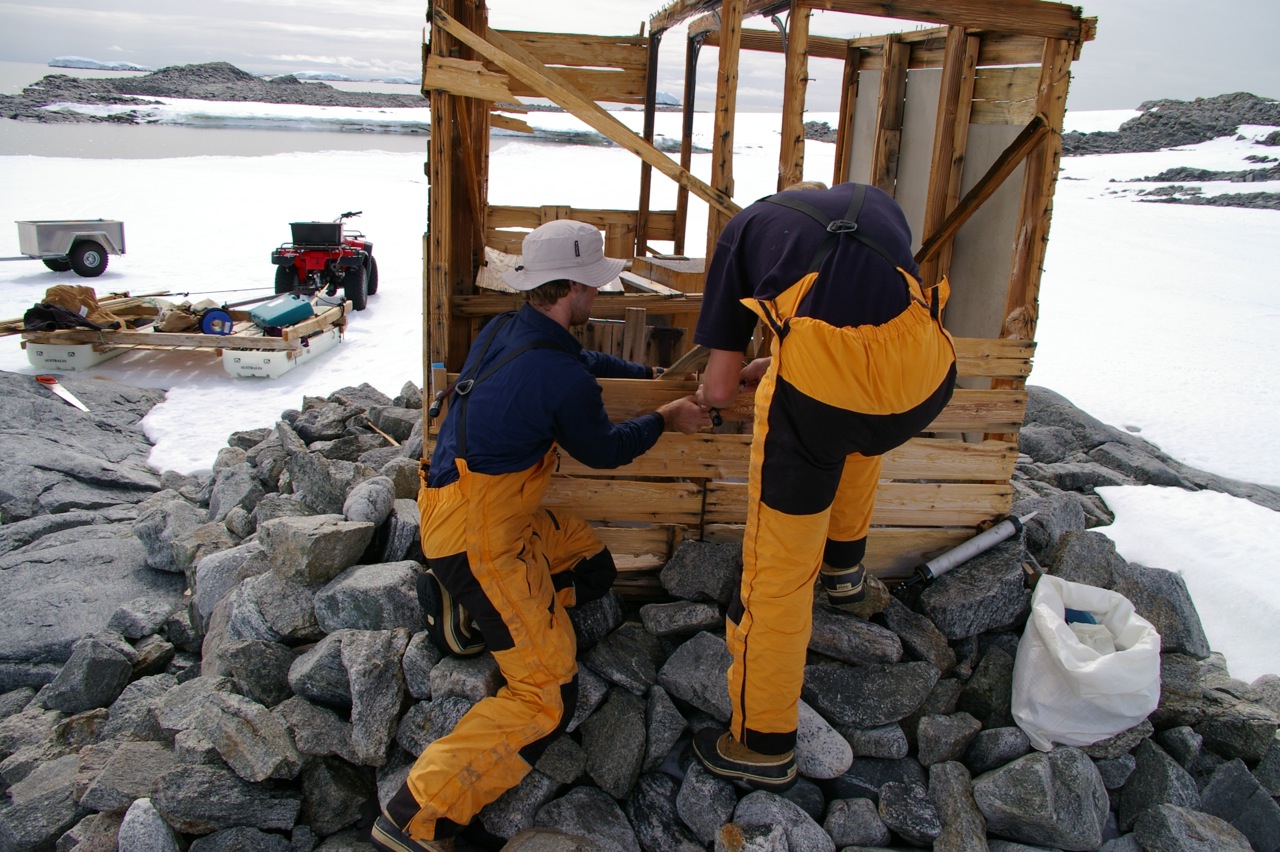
(1145, 49)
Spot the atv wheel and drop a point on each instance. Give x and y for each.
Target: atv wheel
(88, 259)
(372, 276)
(58, 264)
(354, 287)
(286, 279)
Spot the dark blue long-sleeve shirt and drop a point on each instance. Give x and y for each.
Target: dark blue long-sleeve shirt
(542, 396)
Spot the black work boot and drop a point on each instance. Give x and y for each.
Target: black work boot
(449, 625)
(845, 586)
(387, 835)
(724, 756)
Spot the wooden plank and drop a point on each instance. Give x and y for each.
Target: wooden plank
(928, 48)
(506, 122)
(1005, 359)
(890, 111)
(678, 11)
(693, 46)
(634, 336)
(647, 285)
(655, 541)
(726, 110)
(1021, 301)
(625, 500)
(607, 305)
(705, 455)
(466, 78)
(905, 504)
(951, 131)
(641, 236)
(1005, 95)
(592, 84)
(625, 53)
(523, 66)
(770, 41)
(1022, 17)
(795, 84)
(848, 106)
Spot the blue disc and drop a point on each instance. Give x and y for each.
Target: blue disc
(216, 322)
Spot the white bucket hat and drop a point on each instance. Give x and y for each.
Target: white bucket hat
(563, 248)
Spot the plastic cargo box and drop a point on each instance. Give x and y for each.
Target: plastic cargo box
(281, 311)
(316, 233)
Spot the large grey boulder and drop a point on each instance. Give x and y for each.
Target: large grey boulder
(1055, 799)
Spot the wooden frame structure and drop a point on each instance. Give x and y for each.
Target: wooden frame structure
(960, 121)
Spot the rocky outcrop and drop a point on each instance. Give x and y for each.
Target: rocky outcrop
(295, 684)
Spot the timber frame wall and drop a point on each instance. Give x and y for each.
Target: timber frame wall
(961, 122)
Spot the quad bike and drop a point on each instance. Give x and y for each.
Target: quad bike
(324, 257)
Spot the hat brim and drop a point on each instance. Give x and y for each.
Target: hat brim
(595, 274)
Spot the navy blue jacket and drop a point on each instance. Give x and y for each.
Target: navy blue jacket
(543, 396)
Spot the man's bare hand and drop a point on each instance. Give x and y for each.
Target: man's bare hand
(685, 415)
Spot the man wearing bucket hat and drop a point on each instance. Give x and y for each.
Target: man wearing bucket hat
(495, 555)
(859, 363)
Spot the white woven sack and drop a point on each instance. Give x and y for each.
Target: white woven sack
(1069, 693)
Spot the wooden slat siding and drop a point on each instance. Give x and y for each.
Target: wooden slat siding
(726, 109)
(891, 107)
(607, 305)
(625, 53)
(1023, 17)
(795, 84)
(627, 500)
(903, 504)
(1037, 196)
(769, 41)
(845, 122)
(707, 456)
(949, 142)
(1005, 95)
(607, 86)
(466, 78)
(519, 63)
(641, 236)
(655, 540)
(501, 217)
(928, 49)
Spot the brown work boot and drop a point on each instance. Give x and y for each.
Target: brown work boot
(845, 587)
(724, 756)
(386, 835)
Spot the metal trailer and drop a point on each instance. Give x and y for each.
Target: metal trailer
(80, 245)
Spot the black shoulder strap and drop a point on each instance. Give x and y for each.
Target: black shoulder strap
(835, 227)
(462, 390)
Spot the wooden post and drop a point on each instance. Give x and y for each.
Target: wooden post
(1021, 301)
(796, 81)
(646, 170)
(693, 46)
(890, 112)
(848, 104)
(726, 110)
(634, 336)
(955, 102)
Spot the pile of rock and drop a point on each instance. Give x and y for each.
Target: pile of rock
(293, 682)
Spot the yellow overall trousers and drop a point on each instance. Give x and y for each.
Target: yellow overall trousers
(509, 562)
(832, 401)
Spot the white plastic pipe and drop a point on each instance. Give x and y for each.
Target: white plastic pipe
(965, 551)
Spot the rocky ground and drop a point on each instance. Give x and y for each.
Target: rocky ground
(202, 663)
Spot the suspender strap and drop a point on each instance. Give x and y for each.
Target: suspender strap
(835, 227)
(465, 385)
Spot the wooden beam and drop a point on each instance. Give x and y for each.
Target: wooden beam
(845, 126)
(466, 78)
(950, 137)
(726, 109)
(1022, 299)
(770, 41)
(692, 47)
(891, 109)
(646, 170)
(1004, 166)
(1020, 17)
(519, 63)
(679, 11)
(795, 84)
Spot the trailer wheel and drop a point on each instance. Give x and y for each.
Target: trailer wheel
(58, 264)
(286, 279)
(88, 259)
(355, 287)
(372, 277)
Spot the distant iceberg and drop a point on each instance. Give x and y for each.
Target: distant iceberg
(81, 62)
(326, 76)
